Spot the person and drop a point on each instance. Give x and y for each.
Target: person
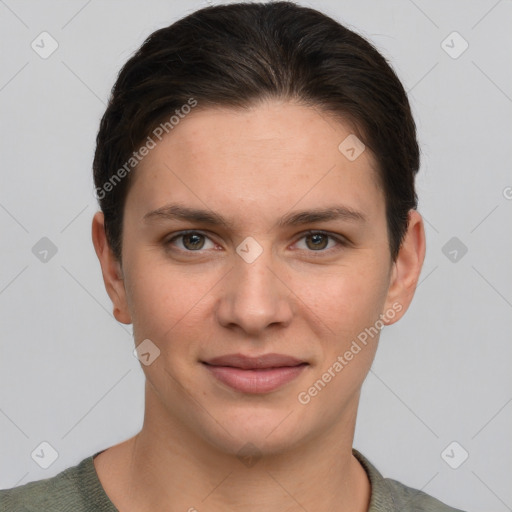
(255, 171)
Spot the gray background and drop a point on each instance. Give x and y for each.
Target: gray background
(442, 374)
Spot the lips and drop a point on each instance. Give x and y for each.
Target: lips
(254, 363)
(261, 374)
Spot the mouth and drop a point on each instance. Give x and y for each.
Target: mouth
(261, 374)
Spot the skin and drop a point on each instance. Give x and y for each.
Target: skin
(252, 167)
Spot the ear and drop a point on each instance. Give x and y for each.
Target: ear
(111, 270)
(406, 269)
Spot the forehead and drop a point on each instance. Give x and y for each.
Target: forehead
(274, 154)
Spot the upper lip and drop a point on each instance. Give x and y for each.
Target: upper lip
(249, 363)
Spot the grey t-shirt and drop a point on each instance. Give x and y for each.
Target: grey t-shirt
(78, 489)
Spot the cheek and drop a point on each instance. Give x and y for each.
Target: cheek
(165, 303)
(346, 300)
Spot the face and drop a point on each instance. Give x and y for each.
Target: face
(251, 233)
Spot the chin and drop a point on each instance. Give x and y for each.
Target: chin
(265, 432)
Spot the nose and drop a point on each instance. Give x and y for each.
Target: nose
(255, 295)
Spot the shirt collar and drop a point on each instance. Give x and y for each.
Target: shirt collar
(381, 499)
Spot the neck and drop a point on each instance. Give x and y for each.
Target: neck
(167, 467)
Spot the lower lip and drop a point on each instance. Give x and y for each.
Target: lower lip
(256, 381)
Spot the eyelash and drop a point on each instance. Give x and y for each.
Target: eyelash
(340, 241)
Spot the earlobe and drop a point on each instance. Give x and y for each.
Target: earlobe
(407, 267)
(111, 270)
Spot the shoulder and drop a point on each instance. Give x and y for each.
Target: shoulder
(392, 496)
(407, 498)
(75, 489)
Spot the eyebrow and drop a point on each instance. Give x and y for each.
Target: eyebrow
(180, 212)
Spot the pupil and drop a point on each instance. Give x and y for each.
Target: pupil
(318, 239)
(194, 240)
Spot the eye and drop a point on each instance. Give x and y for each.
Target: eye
(191, 241)
(315, 241)
(318, 241)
